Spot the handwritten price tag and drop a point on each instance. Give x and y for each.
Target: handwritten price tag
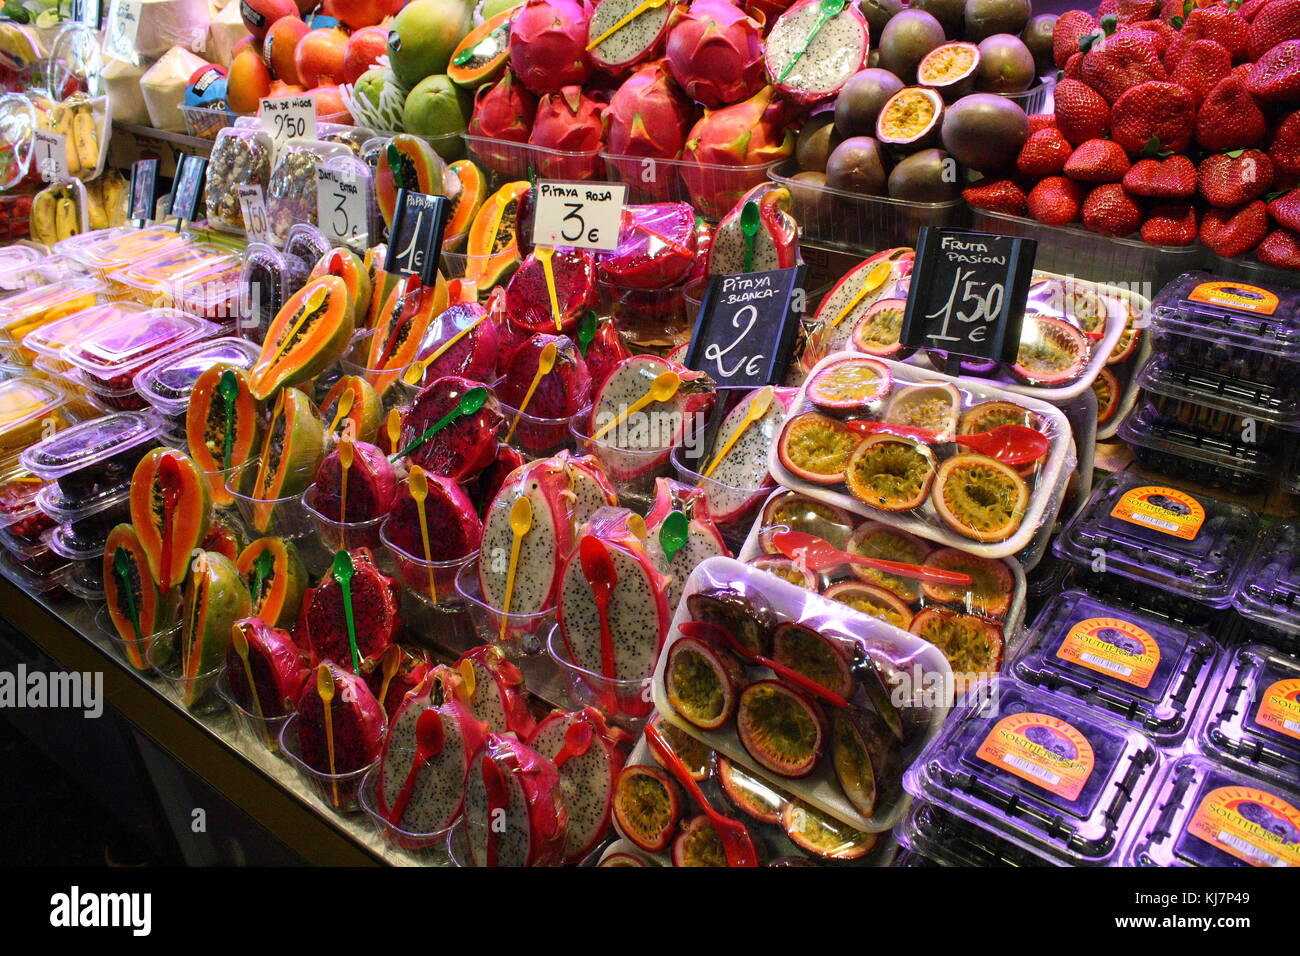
(253, 205)
(289, 117)
(415, 240)
(745, 334)
(340, 204)
(123, 27)
(586, 215)
(51, 155)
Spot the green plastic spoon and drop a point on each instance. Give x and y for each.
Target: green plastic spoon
(122, 568)
(672, 534)
(469, 403)
(342, 571)
(586, 331)
(749, 228)
(827, 10)
(263, 565)
(228, 389)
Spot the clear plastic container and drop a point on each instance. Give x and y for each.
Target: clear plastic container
(17, 264)
(1252, 718)
(1128, 376)
(507, 162)
(338, 791)
(20, 513)
(345, 134)
(23, 312)
(1270, 587)
(1040, 771)
(113, 354)
(28, 407)
(94, 456)
(270, 277)
(166, 384)
(308, 243)
(160, 280)
(1237, 398)
(50, 340)
(947, 840)
(1187, 455)
(712, 189)
(291, 190)
(358, 236)
(519, 634)
(1191, 547)
(1207, 815)
(240, 157)
(107, 250)
(1146, 671)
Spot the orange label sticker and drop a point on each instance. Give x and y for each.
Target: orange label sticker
(1113, 647)
(1253, 825)
(1279, 709)
(1162, 509)
(1042, 749)
(1235, 295)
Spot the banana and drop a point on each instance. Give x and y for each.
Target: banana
(42, 218)
(95, 210)
(87, 145)
(62, 124)
(115, 190)
(65, 217)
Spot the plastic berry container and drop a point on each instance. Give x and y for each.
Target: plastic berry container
(948, 840)
(270, 278)
(1039, 770)
(94, 456)
(49, 341)
(307, 243)
(26, 311)
(1191, 393)
(1252, 718)
(28, 407)
(241, 156)
(166, 384)
(1192, 547)
(1204, 814)
(1146, 671)
(111, 356)
(1270, 588)
(291, 190)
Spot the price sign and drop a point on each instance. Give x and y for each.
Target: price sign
(586, 215)
(123, 25)
(51, 155)
(968, 293)
(289, 117)
(341, 204)
(415, 240)
(253, 206)
(747, 327)
(144, 189)
(188, 188)
(87, 12)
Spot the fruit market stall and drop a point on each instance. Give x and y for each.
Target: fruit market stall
(629, 433)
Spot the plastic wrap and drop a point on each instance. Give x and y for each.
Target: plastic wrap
(1252, 717)
(291, 192)
(164, 24)
(240, 157)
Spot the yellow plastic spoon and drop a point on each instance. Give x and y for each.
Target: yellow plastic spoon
(419, 484)
(624, 20)
(757, 409)
(874, 280)
(240, 641)
(393, 426)
(521, 522)
(662, 389)
(325, 687)
(309, 308)
(543, 255)
(545, 362)
(346, 452)
(416, 371)
(390, 661)
(344, 408)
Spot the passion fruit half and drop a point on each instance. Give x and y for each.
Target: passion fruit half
(1129, 339)
(950, 69)
(865, 755)
(850, 385)
(1106, 387)
(992, 582)
(781, 728)
(890, 473)
(987, 416)
(750, 625)
(787, 570)
(931, 406)
(875, 540)
(1082, 306)
(1052, 352)
(873, 601)
(819, 833)
(979, 497)
(911, 119)
(647, 806)
(792, 511)
(699, 844)
(694, 753)
(878, 331)
(748, 793)
(701, 683)
(972, 644)
(815, 656)
(816, 448)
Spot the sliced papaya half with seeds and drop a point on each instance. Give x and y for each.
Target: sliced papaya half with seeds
(311, 331)
(276, 578)
(221, 425)
(170, 509)
(349, 267)
(473, 190)
(492, 246)
(136, 607)
(292, 448)
(400, 329)
(420, 169)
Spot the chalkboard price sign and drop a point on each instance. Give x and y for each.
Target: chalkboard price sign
(968, 293)
(144, 189)
(188, 188)
(745, 334)
(415, 241)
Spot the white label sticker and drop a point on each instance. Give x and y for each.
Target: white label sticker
(340, 204)
(587, 215)
(123, 26)
(51, 155)
(253, 205)
(289, 117)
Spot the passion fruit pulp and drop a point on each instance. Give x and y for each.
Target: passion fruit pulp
(1052, 352)
(1106, 387)
(950, 69)
(699, 844)
(972, 645)
(850, 385)
(791, 511)
(875, 540)
(700, 683)
(910, 119)
(748, 793)
(873, 601)
(933, 407)
(980, 498)
(1129, 339)
(813, 655)
(817, 448)
(647, 806)
(810, 829)
(991, 582)
(877, 332)
(987, 416)
(865, 756)
(786, 570)
(890, 473)
(694, 753)
(780, 728)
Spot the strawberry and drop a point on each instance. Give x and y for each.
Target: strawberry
(1285, 210)
(1251, 8)
(1131, 11)
(997, 195)
(1056, 201)
(1172, 178)
(1097, 161)
(1081, 112)
(1280, 248)
(1163, 112)
(1110, 211)
(1277, 22)
(1275, 77)
(1164, 34)
(1071, 27)
(1170, 224)
(1231, 179)
(1039, 121)
(1073, 68)
(1285, 148)
(1230, 118)
(1204, 64)
(1120, 61)
(1221, 24)
(1234, 232)
(1044, 154)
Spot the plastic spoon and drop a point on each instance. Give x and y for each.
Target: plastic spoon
(586, 331)
(429, 741)
(543, 255)
(749, 229)
(325, 688)
(122, 568)
(346, 452)
(521, 522)
(228, 389)
(717, 634)
(757, 409)
(662, 389)
(874, 280)
(416, 371)
(598, 569)
(393, 426)
(342, 411)
(673, 533)
(314, 302)
(736, 841)
(469, 403)
(169, 477)
(577, 741)
(1009, 444)
(240, 641)
(395, 166)
(545, 362)
(259, 485)
(262, 566)
(389, 662)
(342, 570)
(419, 485)
(820, 555)
(410, 305)
(624, 20)
(827, 10)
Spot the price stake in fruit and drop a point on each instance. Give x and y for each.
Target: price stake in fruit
(123, 26)
(252, 203)
(968, 294)
(415, 240)
(51, 155)
(587, 215)
(144, 189)
(289, 117)
(745, 334)
(188, 188)
(341, 205)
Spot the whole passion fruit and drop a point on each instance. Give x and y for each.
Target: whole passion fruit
(781, 728)
(879, 330)
(1106, 387)
(819, 833)
(730, 609)
(930, 175)
(815, 656)
(984, 18)
(875, 540)
(861, 100)
(984, 131)
(792, 511)
(1006, 65)
(950, 13)
(748, 793)
(816, 448)
(866, 757)
(890, 473)
(647, 806)
(905, 41)
(979, 497)
(950, 69)
(850, 385)
(873, 601)
(972, 644)
(1052, 352)
(990, 591)
(816, 141)
(857, 165)
(701, 683)
(1039, 34)
(911, 119)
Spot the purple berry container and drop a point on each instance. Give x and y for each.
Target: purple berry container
(945, 839)
(1269, 596)
(90, 458)
(1252, 717)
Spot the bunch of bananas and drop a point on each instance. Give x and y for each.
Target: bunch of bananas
(55, 215)
(106, 200)
(74, 118)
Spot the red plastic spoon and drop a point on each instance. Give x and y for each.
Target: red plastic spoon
(169, 476)
(736, 841)
(429, 741)
(577, 741)
(915, 432)
(1009, 444)
(819, 555)
(598, 568)
(717, 634)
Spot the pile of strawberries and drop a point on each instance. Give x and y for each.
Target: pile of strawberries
(1176, 121)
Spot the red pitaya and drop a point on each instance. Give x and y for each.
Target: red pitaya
(649, 115)
(357, 723)
(528, 301)
(412, 669)
(548, 44)
(514, 812)
(491, 478)
(639, 39)
(278, 667)
(503, 110)
(716, 54)
(560, 393)
(833, 54)
(473, 356)
(751, 133)
(465, 446)
(656, 247)
(775, 245)
(741, 479)
(375, 601)
(497, 696)
(454, 532)
(589, 753)
(372, 485)
(571, 122)
(703, 539)
(590, 486)
(604, 353)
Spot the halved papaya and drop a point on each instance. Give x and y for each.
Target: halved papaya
(364, 413)
(381, 283)
(493, 247)
(170, 508)
(421, 170)
(276, 579)
(292, 447)
(400, 328)
(311, 331)
(473, 190)
(349, 267)
(136, 607)
(224, 538)
(482, 55)
(214, 601)
(221, 425)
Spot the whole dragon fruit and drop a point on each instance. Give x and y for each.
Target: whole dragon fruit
(649, 115)
(639, 39)
(775, 245)
(811, 71)
(356, 719)
(492, 687)
(503, 110)
(703, 539)
(740, 481)
(572, 122)
(514, 811)
(559, 394)
(715, 53)
(277, 665)
(454, 529)
(372, 485)
(656, 247)
(589, 753)
(548, 44)
(472, 356)
(466, 445)
(375, 604)
(753, 132)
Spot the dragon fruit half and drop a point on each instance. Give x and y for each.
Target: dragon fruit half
(492, 687)
(488, 485)
(548, 44)
(375, 600)
(454, 532)
(741, 479)
(357, 723)
(473, 356)
(569, 121)
(559, 394)
(528, 301)
(372, 485)
(753, 132)
(514, 810)
(833, 54)
(703, 539)
(776, 244)
(589, 484)
(639, 39)
(716, 54)
(656, 247)
(604, 353)
(412, 670)
(465, 446)
(277, 665)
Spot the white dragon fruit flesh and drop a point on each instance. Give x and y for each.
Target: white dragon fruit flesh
(837, 51)
(639, 39)
(492, 688)
(514, 810)
(837, 339)
(776, 243)
(741, 479)
(703, 539)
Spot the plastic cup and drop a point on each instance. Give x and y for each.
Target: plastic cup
(457, 844)
(283, 517)
(656, 320)
(538, 437)
(345, 786)
(413, 571)
(105, 625)
(263, 731)
(460, 265)
(523, 634)
(422, 847)
(197, 693)
(339, 535)
(217, 481)
(355, 361)
(627, 703)
(631, 472)
(723, 498)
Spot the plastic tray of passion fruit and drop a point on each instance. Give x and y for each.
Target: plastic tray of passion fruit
(842, 704)
(977, 628)
(877, 438)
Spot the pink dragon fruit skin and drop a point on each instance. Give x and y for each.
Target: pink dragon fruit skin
(605, 352)
(278, 665)
(455, 532)
(528, 301)
(571, 122)
(499, 698)
(372, 485)
(703, 539)
(750, 133)
(838, 51)
(375, 602)
(643, 260)
(510, 776)
(776, 244)
(474, 356)
(639, 40)
(715, 53)
(586, 777)
(741, 481)
(463, 448)
(649, 115)
(412, 670)
(503, 110)
(357, 723)
(548, 44)
(560, 394)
